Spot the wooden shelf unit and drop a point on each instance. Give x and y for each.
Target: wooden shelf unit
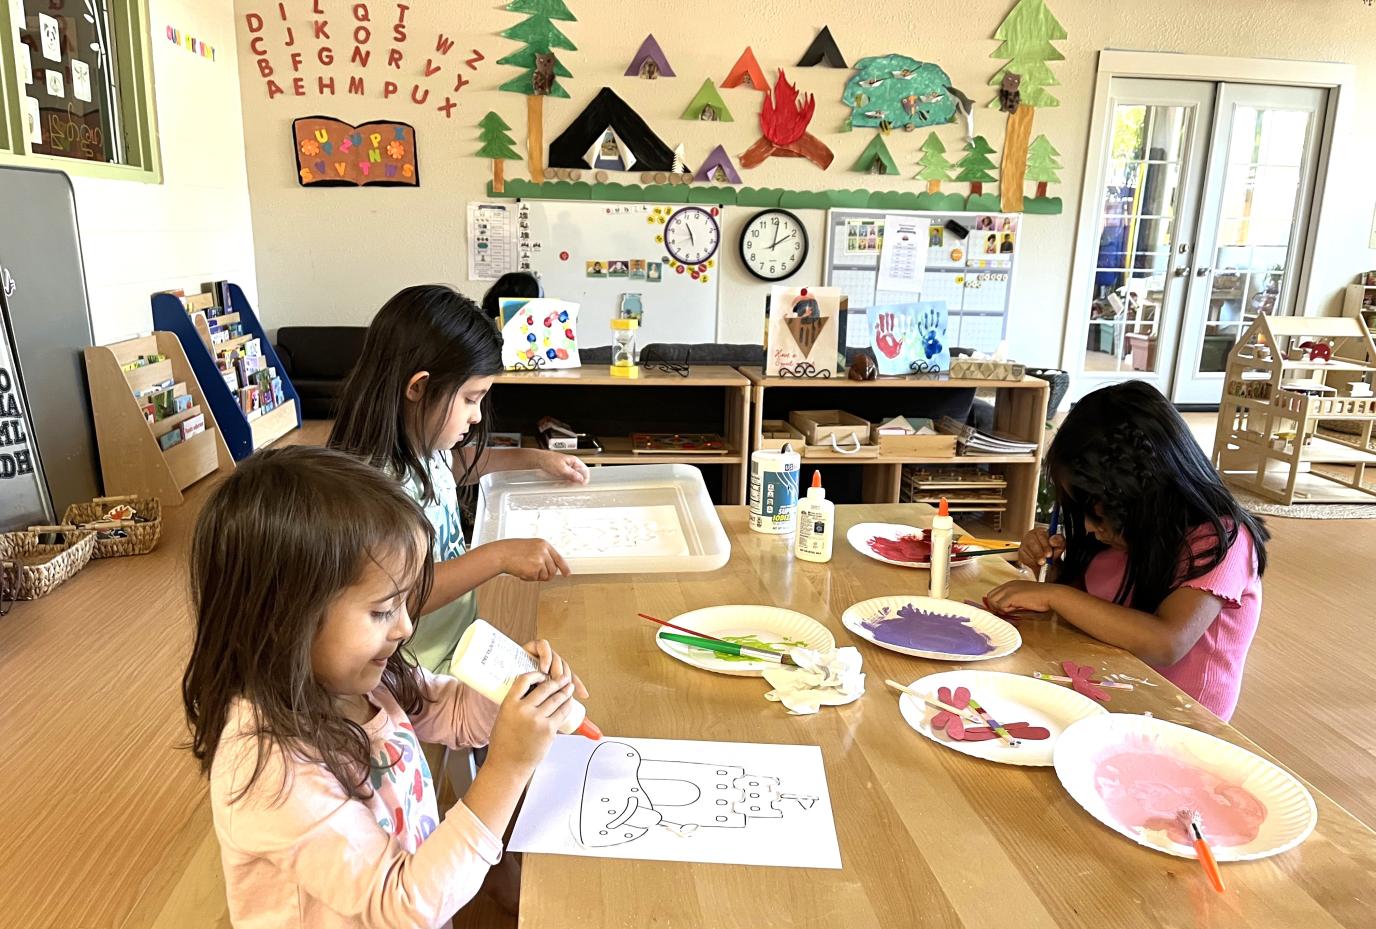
(1267, 441)
(1019, 411)
(242, 435)
(131, 460)
(710, 399)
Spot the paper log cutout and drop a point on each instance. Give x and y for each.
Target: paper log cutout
(609, 113)
(333, 153)
(717, 168)
(746, 72)
(823, 51)
(649, 61)
(707, 106)
(784, 119)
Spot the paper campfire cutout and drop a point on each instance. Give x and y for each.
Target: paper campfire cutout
(784, 119)
(959, 730)
(625, 796)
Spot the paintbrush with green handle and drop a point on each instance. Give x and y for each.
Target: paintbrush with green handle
(728, 648)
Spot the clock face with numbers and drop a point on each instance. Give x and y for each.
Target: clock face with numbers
(773, 245)
(691, 236)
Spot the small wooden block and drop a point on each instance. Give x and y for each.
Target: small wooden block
(647, 177)
(600, 177)
(575, 174)
(661, 177)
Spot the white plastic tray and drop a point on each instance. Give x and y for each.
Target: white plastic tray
(659, 518)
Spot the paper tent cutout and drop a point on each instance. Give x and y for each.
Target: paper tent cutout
(746, 71)
(717, 168)
(876, 159)
(608, 112)
(823, 50)
(649, 61)
(707, 105)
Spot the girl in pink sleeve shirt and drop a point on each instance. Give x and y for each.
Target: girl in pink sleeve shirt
(1157, 557)
(307, 713)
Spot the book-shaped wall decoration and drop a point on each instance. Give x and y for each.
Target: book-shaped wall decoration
(333, 153)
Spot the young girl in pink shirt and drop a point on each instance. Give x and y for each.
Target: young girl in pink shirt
(1157, 557)
(308, 716)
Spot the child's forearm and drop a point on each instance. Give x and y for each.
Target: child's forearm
(497, 459)
(1148, 636)
(495, 791)
(458, 576)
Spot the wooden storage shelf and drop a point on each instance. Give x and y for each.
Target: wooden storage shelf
(1019, 411)
(131, 461)
(242, 435)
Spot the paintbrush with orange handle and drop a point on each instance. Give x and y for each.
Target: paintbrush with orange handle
(1193, 828)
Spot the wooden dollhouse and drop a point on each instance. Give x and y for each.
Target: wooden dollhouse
(1289, 380)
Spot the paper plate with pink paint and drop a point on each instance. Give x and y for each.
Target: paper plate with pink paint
(1035, 712)
(1135, 773)
(904, 546)
(928, 628)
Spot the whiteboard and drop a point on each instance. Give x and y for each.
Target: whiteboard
(559, 238)
(977, 287)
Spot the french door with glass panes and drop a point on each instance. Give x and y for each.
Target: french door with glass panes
(1205, 198)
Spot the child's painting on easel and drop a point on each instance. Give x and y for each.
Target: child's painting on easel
(804, 331)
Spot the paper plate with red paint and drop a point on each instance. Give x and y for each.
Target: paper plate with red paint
(929, 628)
(1135, 773)
(905, 546)
(1037, 713)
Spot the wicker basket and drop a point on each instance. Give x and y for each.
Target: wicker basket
(142, 537)
(47, 565)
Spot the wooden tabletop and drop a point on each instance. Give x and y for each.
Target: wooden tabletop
(928, 836)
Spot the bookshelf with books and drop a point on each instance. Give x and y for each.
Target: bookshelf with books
(153, 426)
(244, 382)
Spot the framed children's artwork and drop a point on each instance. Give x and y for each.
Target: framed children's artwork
(909, 338)
(333, 153)
(541, 334)
(804, 331)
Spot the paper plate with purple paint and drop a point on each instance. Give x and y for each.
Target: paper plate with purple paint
(1035, 712)
(929, 628)
(1136, 773)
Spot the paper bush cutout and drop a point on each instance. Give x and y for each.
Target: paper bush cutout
(876, 154)
(717, 168)
(539, 36)
(895, 91)
(935, 167)
(976, 168)
(707, 105)
(746, 71)
(333, 153)
(823, 50)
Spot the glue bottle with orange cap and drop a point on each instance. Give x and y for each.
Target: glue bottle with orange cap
(816, 523)
(942, 535)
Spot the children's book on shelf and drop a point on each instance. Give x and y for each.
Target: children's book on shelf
(974, 442)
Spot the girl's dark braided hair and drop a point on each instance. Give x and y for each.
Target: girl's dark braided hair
(1126, 458)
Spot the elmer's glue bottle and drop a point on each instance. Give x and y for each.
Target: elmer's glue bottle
(816, 523)
(943, 533)
(489, 662)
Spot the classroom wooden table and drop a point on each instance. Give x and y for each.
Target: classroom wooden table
(928, 836)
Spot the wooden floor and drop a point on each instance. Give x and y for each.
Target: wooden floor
(72, 682)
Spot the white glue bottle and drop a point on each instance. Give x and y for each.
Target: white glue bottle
(816, 522)
(943, 532)
(489, 662)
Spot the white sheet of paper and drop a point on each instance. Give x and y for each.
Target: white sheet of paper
(25, 61)
(81, 80)
(48, 37)
(903, 259)
(671, 800)
(489, 241)
(602, 531)
(35, 120)
(55, 85)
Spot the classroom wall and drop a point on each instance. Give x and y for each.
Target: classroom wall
(196, 226)
(334, 255)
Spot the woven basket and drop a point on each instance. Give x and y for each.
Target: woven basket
(43, 567)
(142, 536)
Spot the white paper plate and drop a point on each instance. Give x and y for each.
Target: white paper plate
(1003, 637)
(860, 534)
(769, 624)
(1290, 814)
(1009, 698)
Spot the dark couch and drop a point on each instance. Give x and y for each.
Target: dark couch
(317, 360)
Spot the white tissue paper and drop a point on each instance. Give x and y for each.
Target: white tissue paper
(821, 679)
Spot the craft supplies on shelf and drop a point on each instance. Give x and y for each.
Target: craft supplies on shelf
(834, 434)
(124, 525)
(967, 490)
(31, 567)
(136, 455)
(246, 388)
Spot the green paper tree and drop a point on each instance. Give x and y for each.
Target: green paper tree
(935, 167)
(975, 168)
(1025, 34)
(1042, 164)
(540, 37)
(497, 145)
(876, 154)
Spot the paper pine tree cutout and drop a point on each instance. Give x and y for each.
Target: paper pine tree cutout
(1027, 33)
(540, 66)
(823, 50)
(497, 145)
(1042, 164)
(678, 166)
(876, 159)
(707, 105)
(746, 71)
(935, 167)
(717, 168)
(975, 168)
(649, 61)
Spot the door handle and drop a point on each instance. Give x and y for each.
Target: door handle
(1182, 272)
(1201, 272)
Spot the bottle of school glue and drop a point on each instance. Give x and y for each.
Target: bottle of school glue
(943, 532)
(816, 522)
(489, 662)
